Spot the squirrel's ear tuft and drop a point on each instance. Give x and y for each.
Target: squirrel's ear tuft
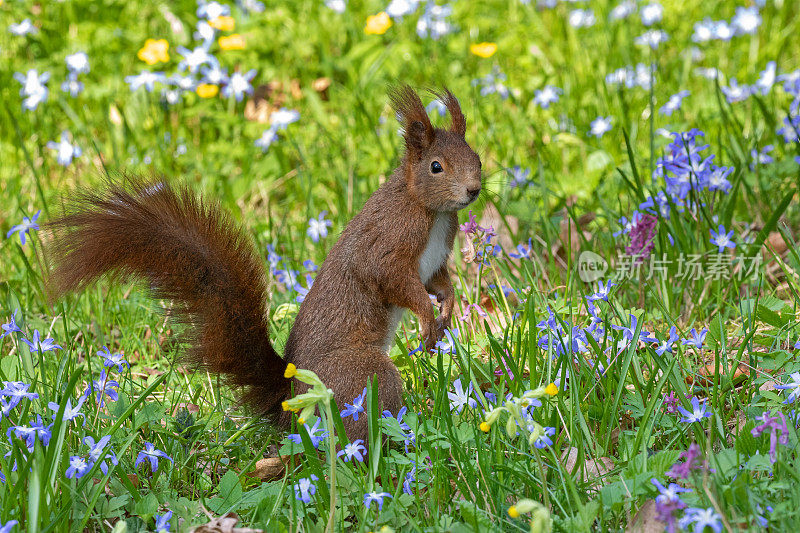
(459, 123)
(412, 116)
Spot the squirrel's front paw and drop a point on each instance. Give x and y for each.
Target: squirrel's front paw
(430, 335)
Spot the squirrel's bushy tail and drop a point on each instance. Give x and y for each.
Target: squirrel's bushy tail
(192, 253)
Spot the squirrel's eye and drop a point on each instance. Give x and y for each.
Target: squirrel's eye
(436, 167)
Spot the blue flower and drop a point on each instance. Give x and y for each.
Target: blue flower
(280, 119)
(304, 489)
(721, 239)
(151, 454)
(194, 59)
(461, 397)
(696, 338)
(65, 150)
(239, 85)
(145, 79)
(735, 92)
(448, 343)
(113, 359)
(433, 22)
(546, 96)
(29, 433)
(544, 439)
(761, 157)
(666, 345)
(376, 497)
(746, 20)
(674, 103)
(338, 6)
(519, 176)
(652, 38)
(409, 479)
(493, 83)
(33, 88)
(600, 126)
(302, 292)
(72, 85)
(602, 293)
(78, 63)
(36, 344)
(70, 413)
(287, 277)
(10, 326)
(162, 521)
(267, 138)
(78, 466)
(668, 494)
(212, 10)
(16, 391)
(356, 407)
(523, 251)
(651, 14)
(318, 227)
(701, 518)
(104, 387)
(8, 526)
(697, 414)
(97, 452)
(27, 225)
(353, 450)
(312, 434)
(581, 18)
(23, 28)
(794, 385)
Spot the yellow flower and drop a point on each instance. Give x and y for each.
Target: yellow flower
(378, 24)
(285, 406)
(485, 427)
(551, 389)
(222, 23)
(291, 371)
(512, 512)
(154, 51)
(301, 421)
(483, 49)
(232, 42)
(207, 90)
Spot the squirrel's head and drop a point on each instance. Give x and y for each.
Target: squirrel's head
(440, 168)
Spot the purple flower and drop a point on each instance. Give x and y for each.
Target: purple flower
(36, 344)
(671, 404)
(312, 434)
(78, 466)
(701, 518)
(376, 497)
(304, 489)
(356, 407)
(461, 397)
(667, 502)
(409, 479)
(448, 343)
(162, 521)
(302, 292)
(113, 359)
(693, 462)
(773, 424)
(318, 227)
(11, 325)
(8, 526)
(643, 235)
(721, 239)
(735, 92)
(470, 226)
(697, 414)
(761, 157)
(29, 433)
(151, 454)
(696, 339)
(27, 225)
(523, 251)
(353, 450)
(794, 385)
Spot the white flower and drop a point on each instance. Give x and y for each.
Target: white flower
(461, 397)
(651, 14)
(214, 74)
(401, 8)
(212, 10)
(78, 63)
(266, 139)
(546, 96)
(581, 18)
(722, 31)
(72, 86)
(746, 20)
(205, 32)
(652, 38)
(281, 118)
(703, 31)
(147, 79)
(767, 79)
(66, 151)
(433, 23)
(23, 28)
(736, 92)
(600, 126)
(192, 59)
(623, 10)
(33, 87)
(239, 85)
(337, 5)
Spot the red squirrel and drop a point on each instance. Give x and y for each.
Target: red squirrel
(389, 258)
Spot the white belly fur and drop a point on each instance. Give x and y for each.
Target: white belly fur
(432, 258)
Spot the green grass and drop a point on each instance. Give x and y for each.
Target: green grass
(341, 149)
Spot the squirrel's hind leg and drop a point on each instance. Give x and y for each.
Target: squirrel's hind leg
(347, 372)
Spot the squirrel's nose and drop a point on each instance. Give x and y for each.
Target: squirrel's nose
(473, 193)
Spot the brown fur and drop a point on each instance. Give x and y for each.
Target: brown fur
(191, 253)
